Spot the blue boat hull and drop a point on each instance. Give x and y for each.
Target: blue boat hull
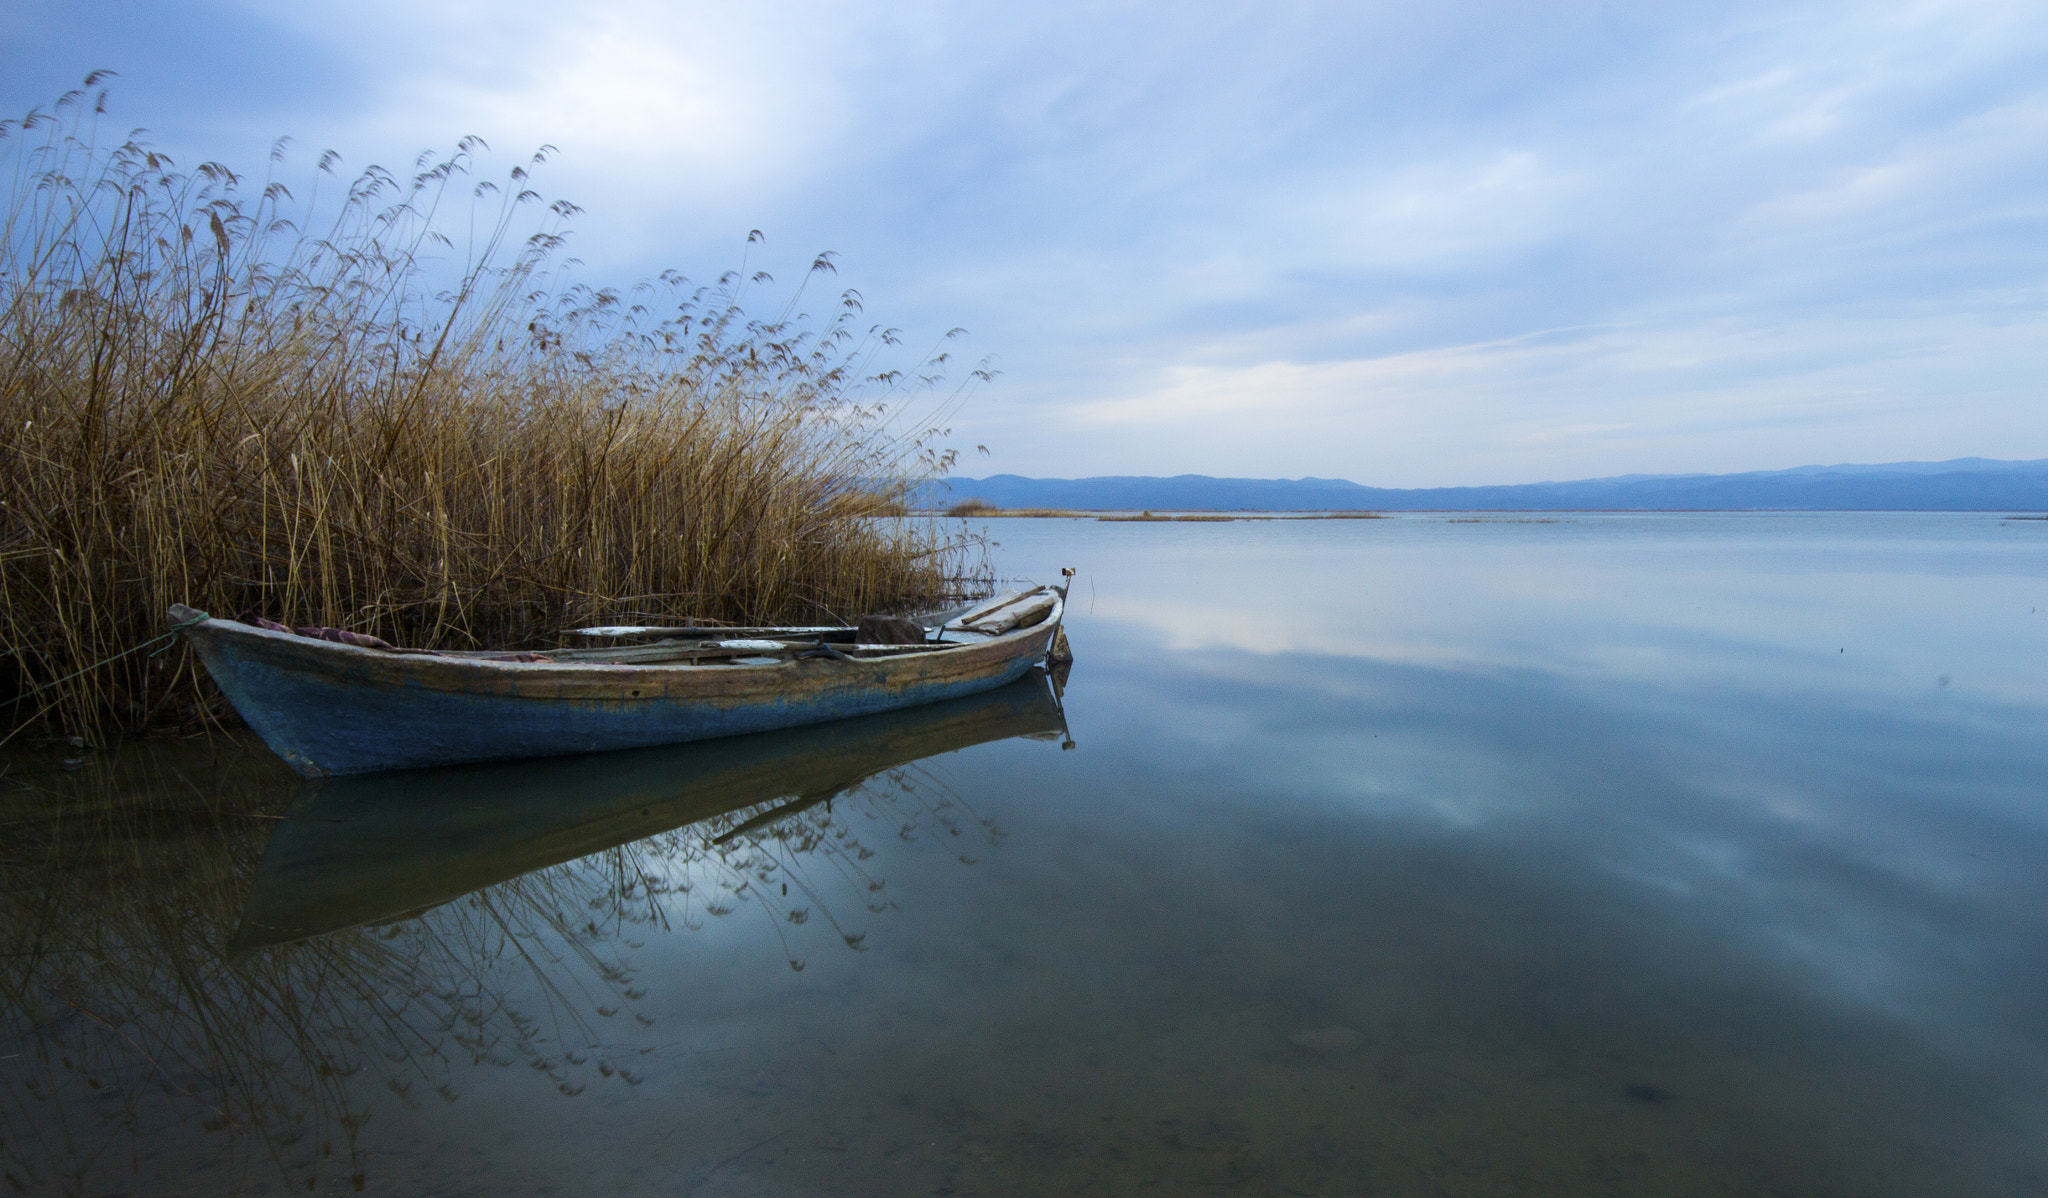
(337, 709)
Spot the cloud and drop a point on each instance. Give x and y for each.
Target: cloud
(1422, 242)
(1569, 399)
(699, 101)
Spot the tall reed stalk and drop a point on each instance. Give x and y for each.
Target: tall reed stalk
(207, 398)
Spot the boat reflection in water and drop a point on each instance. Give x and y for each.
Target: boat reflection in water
(382, 848)
(121, 883)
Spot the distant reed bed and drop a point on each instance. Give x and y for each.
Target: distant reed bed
(339, 410)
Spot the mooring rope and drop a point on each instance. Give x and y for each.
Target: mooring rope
(201, 618)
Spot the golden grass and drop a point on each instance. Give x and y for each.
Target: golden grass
(205, 398)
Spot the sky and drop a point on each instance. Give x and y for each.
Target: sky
(1402, 244)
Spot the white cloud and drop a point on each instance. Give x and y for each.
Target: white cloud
(1422, 245)
(653, 99)
(1437, 215)
(1734, 396)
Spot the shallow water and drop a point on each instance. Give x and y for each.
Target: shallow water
(1630, 854)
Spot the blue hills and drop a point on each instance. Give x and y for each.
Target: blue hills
(1960, 485)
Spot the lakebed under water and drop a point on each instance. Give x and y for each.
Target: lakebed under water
(1490, 854)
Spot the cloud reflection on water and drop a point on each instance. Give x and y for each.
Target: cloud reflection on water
(1790, 899)
(1621, 884)
(1763, 601)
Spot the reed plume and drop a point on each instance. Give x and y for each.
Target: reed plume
(212, 394)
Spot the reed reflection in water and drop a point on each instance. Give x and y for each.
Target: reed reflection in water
(400, 931)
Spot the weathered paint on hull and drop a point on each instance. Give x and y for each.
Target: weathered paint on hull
(336, 709)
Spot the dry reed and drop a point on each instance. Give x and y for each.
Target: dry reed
(206, 399)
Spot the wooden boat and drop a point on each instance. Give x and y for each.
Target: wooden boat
(334, 708)
(374, 850)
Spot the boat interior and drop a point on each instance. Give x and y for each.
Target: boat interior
(671, 645)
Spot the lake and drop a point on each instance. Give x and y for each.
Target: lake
(1632, 854)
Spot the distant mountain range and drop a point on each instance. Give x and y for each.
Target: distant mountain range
(1961, 485)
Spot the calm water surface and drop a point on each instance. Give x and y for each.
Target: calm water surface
(1643, 855)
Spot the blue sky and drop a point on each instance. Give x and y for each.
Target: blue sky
(1408, 245)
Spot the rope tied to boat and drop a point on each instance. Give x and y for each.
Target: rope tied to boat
(162, 639)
